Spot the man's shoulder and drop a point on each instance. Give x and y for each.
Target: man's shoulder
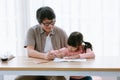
(58, 29)
(35, 27)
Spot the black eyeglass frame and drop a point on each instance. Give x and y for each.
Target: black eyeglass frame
(50, 23)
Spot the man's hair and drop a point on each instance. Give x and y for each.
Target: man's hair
(45, 12)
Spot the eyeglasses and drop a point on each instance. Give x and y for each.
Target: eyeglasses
(50, 23)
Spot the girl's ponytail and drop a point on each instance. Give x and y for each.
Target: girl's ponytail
(87, 45)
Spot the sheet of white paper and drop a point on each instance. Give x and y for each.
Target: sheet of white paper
(68, 60)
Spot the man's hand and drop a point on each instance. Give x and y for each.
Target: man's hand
(49, 56)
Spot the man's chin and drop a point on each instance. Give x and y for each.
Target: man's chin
(49, 30)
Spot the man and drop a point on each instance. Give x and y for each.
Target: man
(44, 37)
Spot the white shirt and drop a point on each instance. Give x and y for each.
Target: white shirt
(48, 44)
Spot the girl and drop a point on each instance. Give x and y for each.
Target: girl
(77, 48)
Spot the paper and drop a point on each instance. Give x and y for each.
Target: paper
(68, 60)
(40, 62)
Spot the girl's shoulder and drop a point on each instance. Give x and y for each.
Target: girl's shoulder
(63, 49)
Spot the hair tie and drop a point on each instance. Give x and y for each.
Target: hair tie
(83, 43)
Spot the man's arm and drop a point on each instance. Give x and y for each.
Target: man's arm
(35, 54)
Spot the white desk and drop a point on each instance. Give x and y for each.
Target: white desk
(100, 66)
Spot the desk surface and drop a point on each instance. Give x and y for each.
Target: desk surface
(97, 64)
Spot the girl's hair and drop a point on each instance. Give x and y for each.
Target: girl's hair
(87, 45)
(76, 39)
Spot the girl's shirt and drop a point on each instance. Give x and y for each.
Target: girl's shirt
(81, 52)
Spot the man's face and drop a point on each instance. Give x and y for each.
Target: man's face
(48, 25)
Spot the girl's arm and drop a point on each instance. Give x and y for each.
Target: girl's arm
(89, 54)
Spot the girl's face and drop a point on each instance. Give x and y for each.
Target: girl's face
(72, 49)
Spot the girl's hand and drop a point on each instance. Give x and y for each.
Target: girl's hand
(59, 55)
